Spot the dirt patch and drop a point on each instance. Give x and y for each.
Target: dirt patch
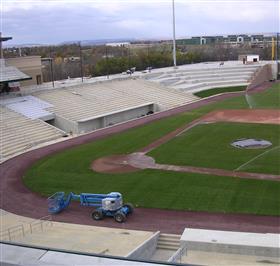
(244, 116)
(113, 164)
(123, 163)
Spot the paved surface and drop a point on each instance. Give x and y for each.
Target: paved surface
(93, 239)
(196, 257)
(18, 199)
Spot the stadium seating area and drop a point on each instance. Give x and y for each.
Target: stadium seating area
(156, 93)
(19, 132)
(81, 102)
(196, 79)
(21, 117)
(126, 98)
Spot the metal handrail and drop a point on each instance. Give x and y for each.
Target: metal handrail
(9, 231)
(13, 231)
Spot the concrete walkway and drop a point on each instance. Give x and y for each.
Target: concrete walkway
(72, 237)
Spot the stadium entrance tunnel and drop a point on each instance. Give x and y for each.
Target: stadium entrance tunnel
(251, 143)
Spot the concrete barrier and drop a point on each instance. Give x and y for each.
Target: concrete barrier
(146, 249)
(261, 76)
(176, 257)
(255, 244)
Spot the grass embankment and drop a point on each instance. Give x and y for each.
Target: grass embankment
(70, 171)
(214, 91)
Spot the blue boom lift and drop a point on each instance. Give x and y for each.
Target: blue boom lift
(106, 204)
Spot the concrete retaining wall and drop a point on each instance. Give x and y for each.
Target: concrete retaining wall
(234, 249)
(65, 124)
(87, 126)
(262, 75)
(242, 243)
(176, 257)
(95, 123)
(146, 249)
(127, 115)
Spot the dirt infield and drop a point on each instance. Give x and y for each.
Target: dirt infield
(138, 160)
(244, 116)
(18, 199)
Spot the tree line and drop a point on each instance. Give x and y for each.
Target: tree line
(104, 60)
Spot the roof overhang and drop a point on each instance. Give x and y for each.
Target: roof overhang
(12, 74)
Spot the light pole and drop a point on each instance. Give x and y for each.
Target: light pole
(174, 37)
(51, 65)
(106, 53)
(277, 55)
(81, 62)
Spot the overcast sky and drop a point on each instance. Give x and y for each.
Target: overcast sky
(54, 21)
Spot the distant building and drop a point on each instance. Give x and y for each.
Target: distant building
(118, 44)
(71, 59)
(236, 39)
(249, 58)
(30, 65)
(10, 78)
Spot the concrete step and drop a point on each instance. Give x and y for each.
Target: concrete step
(168, 242)
(170, 236)
(167, 246)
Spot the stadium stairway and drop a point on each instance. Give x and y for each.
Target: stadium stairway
(167, 245)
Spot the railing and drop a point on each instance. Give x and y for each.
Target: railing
(12, 232)
(19, 231)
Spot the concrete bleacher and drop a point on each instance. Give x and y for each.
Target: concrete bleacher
(22, 127)
(200, 78)
(164, 98)
(19, 132)
(80, 102)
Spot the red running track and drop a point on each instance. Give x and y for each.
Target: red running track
(16, 198)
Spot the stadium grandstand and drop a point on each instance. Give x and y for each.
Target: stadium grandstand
(71, 108)
(205, 76)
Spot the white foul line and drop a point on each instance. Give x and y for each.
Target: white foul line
(256, 157)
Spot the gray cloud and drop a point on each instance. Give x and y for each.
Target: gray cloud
(56, 21)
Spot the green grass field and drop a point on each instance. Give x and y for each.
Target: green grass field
(70, 171)
(209, 145)
(214, 91)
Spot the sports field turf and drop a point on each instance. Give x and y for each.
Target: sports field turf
(70, 171)
(214, 91)
(209, 145)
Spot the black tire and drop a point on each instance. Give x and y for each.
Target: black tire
(97, 215)
(120, 217)
(130, 207)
